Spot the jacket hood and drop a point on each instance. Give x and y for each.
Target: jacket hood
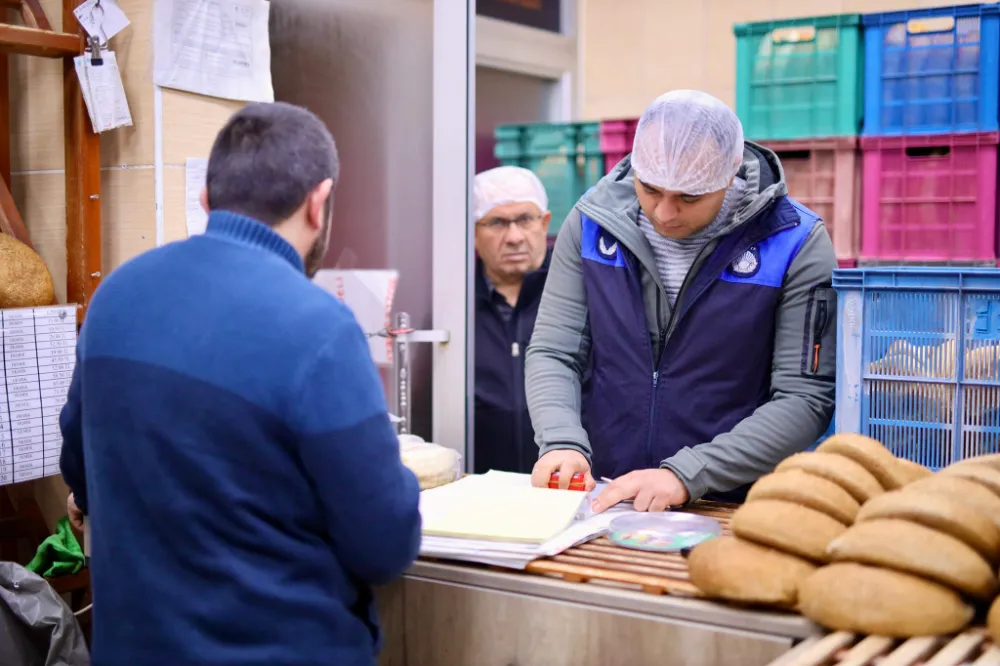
(613, 204)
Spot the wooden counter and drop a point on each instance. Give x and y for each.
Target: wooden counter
(454, 614)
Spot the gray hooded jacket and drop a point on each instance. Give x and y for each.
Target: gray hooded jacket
(798, 396)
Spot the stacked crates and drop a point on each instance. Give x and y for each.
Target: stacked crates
(799, 93)
(918, 360)
(566, 157)
(929, 144)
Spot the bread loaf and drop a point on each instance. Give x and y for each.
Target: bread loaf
(984, 475)
(911, 471)
(870, 600)
(810, 491)
(922, 551)
(25, 281)
(788, 527)
(940, 512)
(962, 490)
(993, 621)
(992, 460)
(736, 570)
(870, 454)
(846, 473)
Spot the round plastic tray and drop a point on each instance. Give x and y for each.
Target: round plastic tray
(662, 532)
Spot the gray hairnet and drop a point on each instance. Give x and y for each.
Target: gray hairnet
(688, 141)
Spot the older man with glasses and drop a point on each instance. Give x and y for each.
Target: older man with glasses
(511, 222)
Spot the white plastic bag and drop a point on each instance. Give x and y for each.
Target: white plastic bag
(433, 464)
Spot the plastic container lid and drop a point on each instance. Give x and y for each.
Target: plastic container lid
(662, 532)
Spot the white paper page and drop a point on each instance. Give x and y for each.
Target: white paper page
(107, 94)
(83, 76)
(194, 182)
(369, 295)
(37, 357)
(218, 48)
(103, 21)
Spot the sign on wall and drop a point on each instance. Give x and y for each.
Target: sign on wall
(542, 14)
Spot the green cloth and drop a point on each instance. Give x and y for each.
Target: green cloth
(60, 554)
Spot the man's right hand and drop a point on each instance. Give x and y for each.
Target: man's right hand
(565, 461)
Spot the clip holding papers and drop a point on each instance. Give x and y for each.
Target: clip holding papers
(94, 48)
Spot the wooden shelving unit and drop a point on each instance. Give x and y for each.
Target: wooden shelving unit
(83, 147)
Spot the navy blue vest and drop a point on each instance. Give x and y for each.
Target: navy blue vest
(715, 368)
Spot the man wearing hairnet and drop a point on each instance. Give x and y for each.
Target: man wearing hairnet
(512, 219)
(685, 343)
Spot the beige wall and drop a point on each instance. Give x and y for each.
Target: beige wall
(634, 50)
(128, 208)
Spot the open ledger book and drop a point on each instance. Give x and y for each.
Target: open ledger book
(498, 518)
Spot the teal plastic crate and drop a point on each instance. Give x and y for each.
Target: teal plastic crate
(800, 78)
(566, 157)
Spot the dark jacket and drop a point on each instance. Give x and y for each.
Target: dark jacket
(741, 374)
(504, 439)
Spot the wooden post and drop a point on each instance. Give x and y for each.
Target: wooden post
(83, 183)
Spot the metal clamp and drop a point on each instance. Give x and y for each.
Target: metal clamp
(402, 336)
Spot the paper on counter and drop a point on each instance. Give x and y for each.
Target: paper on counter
(369, 295)
(195, 216)
(218, 48)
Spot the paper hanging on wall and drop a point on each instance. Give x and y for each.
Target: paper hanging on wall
(194, 182)
(218, 48)
(103, 92)
(369, 295)
(101, 18)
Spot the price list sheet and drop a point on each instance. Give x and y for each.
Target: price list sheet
(38, 353)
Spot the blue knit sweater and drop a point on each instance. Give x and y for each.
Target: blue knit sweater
(227, 434)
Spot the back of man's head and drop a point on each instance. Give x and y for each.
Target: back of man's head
(267, 159)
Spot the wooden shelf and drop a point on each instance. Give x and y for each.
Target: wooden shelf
(20, 40)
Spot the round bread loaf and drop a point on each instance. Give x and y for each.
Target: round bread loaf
(736, 570)
(870, 600)
(991, 460)
(788, 527)
(963, 490)
(815, 492)
(941, 512)
(870, 454)
(984, 475)
(843, 471)
(25, 282)
(904, 546)
(911, 471)
(993, 621)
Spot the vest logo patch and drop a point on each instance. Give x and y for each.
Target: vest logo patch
(605, 249)
(748, 263)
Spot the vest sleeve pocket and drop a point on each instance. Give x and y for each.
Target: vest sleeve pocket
(819, 337)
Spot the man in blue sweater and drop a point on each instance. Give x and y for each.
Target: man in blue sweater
(227, 434)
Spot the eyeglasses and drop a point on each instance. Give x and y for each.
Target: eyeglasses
(500, 225)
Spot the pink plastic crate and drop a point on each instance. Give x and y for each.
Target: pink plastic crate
(847, 263)
(616, 140)
(929, 198)
(825, 176)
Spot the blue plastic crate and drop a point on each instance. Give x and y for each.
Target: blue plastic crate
(918, 360)
(932, 71)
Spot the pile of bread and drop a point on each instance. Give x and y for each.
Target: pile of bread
(434, 465)
(24, 280)
(859, 540)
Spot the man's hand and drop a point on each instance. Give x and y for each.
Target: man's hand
(650, 490)
(565, 461)
(75, 515)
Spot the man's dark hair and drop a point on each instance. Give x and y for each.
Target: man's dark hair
(267, 159)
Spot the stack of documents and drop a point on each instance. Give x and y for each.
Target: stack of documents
(499, 519)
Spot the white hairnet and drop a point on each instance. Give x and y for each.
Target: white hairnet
(688, 141)
(506, 185)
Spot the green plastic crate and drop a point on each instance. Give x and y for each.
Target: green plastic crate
(800, 78)
(566, 157)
